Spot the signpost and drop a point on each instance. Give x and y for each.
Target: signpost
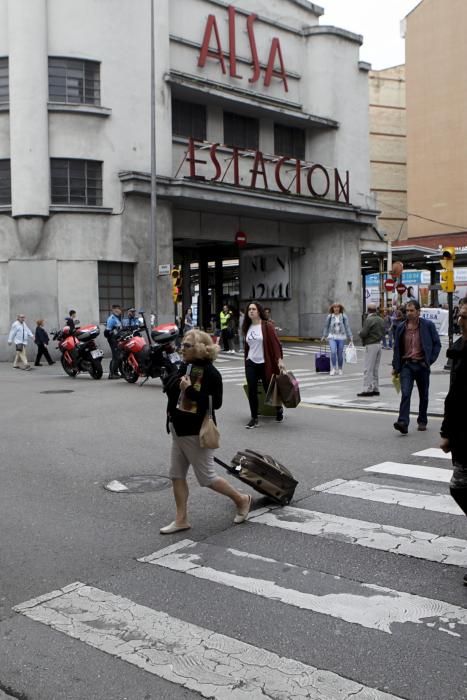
(401, 288)
(240, 239)
(389, 285)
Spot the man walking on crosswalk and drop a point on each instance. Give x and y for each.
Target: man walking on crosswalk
(453, 429)
(371, 334)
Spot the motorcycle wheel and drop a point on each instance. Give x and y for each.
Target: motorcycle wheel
(96, 370)
(128, 372)
(69, 370)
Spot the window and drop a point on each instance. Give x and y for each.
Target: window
(5, 182)
(76, 181)
(116, 286)
(289, 141)
(74, 81)
(240, 131)
(4, 88)
(188, 119)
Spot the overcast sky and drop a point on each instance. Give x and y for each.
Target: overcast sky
(379, 23)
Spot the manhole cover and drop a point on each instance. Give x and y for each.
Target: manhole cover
(57, 391)
(138, 483)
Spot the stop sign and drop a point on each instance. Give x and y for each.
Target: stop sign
(389, 285)
(240, 239)
(401, 288)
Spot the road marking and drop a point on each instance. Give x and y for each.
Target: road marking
(433, 452)
(212, 664)
(413, 471)
(366, 605)
(397, 540)
(409, 498)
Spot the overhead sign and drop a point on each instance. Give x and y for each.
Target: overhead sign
(275, 67)
(389, 285)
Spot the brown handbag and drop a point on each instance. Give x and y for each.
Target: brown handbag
(209, 435)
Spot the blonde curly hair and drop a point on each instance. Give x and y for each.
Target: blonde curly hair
(203, 347)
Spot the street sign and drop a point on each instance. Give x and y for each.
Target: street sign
(240, 239)
(389, 285)
(164, 269)
(401, 288)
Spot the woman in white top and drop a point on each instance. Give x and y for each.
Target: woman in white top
(263, 357)
(336, 330)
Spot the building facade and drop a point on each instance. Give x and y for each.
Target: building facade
(261, 155)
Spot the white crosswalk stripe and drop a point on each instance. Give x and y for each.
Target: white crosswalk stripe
(223, 667)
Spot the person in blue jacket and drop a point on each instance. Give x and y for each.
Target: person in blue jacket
(416, 348)
(113, 325)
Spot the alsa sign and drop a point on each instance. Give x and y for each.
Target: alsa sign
(212, 38)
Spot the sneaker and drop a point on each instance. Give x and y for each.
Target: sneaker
(340, 372)
(401, 427)
(280, 415)
(422, 427)
(332, 372)
(252, 423)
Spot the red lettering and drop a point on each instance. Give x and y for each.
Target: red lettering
(310, 177)
(215, 162)
(277, 173)
(254, 51)
(270, 70)
(232, 52)
(192, 159)
(257, 170)
(207, 52)
(342, 187)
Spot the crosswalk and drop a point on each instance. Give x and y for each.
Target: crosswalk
(307, 377)
(288, 351)
(339, 621)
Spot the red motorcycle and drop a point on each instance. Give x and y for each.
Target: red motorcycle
(79, 352)
(152, 359)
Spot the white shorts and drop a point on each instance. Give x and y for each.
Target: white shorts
(186, 450)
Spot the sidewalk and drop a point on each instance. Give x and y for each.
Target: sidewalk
(341, 392)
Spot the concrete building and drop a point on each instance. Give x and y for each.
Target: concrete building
(436, 54)
(261, 128)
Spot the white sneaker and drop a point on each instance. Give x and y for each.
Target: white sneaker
(340, 372)
(332, 372)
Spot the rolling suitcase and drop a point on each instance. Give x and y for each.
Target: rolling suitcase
(263, 408)
(322, 361)
(263, 473)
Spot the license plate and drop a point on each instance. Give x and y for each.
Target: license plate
(96, 353)
(174, 357)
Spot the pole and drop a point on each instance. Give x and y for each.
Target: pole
(389, 294)
(451, 320)
(153, 218)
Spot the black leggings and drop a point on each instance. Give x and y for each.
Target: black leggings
(42, 350)
(256, 373)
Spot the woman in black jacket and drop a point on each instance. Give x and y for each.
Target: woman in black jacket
(41, 338)
(188, 402)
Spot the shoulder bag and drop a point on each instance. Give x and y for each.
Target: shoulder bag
(209, 435)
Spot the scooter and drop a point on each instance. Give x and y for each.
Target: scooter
(155, 358)
(79, 352)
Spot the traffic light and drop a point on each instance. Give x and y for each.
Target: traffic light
(176, 284)
(448, 256)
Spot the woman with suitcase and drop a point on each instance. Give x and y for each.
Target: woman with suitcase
(263, 357)
(336, 330)
(189, 392)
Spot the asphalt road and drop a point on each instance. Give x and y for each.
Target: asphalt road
(380, 613)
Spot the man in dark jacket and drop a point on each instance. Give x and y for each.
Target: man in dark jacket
(416, 347)
(453, 430)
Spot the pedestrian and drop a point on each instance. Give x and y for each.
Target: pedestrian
(225, 318)
(188, 324)
(241, 319)
(41, 338)
(371, 334)
(19, 334)
(416, 347)
(387, 337)
(188, 394)
(132, 320)
(71, 321)
(113, 325)
(336, 330)
(453, 432)
(263, 357)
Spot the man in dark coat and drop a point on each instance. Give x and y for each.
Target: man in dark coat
(416, 347)
(453, 429)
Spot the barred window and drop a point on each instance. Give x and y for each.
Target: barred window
(116, 286)
(74, 81)
(76, 181)
(289, 141)
(241, 131)
(5, 182)
(188, 119)
(4, 87)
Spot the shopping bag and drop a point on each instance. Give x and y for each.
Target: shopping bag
(396, 381)
(272, 395)
(209, 435)
(351, 354)
(288, 388)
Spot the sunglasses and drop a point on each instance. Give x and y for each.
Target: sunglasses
(187, 346)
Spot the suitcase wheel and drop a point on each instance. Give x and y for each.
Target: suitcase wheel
(285, 500)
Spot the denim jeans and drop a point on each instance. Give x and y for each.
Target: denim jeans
(337, 352)
(420, 374)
